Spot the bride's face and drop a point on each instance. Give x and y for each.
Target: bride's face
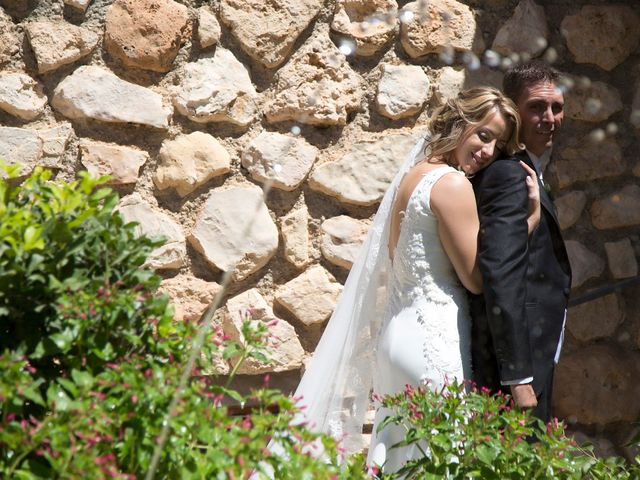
(481, 144)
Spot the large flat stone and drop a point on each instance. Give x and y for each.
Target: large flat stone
(402, 90)
(364, 173)
(585, 264)
(156, 225)
(189, 161)
(572, 165)
(54, 143)
(235, 231)
(311, 296)
(295, 234)
(621, 258)
(592, 101)
(282, 159)
(525, 31)
(21, 96)
(570, 207)
(20, 146)
(617, 210)
(189, 295)
(370, 24)
(342, 238)
(58, 43)
(146, 34)
(604, 35)
(316, 87)
(282, 347)
(121, 163)
(216, 89)
(596, 319)
(444, 24)
(94, 93)
(598, 385)
(208, 27)
(267, 31)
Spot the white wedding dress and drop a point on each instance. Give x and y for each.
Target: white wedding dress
(425, 332)
(396, 323)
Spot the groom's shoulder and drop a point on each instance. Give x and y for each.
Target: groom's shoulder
(506, 163)
(502, 168)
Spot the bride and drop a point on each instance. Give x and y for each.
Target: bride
(403, 317)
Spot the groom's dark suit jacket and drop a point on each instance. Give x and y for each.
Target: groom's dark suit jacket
(518, 320)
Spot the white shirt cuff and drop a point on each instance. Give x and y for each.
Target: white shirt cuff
(518, 382)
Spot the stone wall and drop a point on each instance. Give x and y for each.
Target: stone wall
(192, 106)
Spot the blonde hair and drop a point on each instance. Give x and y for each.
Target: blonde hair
(471, 107)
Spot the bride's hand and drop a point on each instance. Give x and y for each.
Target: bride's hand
(533, 190)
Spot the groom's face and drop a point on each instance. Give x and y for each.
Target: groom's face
(541, 108)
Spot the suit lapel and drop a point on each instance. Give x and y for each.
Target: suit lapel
(546, 202)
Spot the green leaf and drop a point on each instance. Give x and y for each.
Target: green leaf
(261, 357)
(230, 393)
(105, 353)
(33, 393)
(69, 386)
(58, 399)
(231, 350)
(63, 340)
(83, 379)
(486, 454)
(44, 347)
(32, 238)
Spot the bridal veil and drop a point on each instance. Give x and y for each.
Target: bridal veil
(334, 390)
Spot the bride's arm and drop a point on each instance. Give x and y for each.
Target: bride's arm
(453, 202)
(533, 193)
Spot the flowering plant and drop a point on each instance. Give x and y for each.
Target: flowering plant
(90, 358)
(464, 434)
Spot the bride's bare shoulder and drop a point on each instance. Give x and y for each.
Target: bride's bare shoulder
(415, 174)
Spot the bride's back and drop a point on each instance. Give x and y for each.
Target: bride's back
(420, 264)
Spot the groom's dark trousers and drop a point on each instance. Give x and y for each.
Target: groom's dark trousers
(519, 319)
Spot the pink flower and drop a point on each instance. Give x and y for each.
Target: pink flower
(99, 395)
(373, 470)
(108, 458)
(246, 423)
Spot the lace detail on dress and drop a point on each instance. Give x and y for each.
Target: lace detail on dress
(425, 295)
(421, 267)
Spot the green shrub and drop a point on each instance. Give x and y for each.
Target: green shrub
(463, 435)
(90, 357)
(71, 287)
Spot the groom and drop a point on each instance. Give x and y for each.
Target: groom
(518, 322)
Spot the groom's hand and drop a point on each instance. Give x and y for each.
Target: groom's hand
(524, 395)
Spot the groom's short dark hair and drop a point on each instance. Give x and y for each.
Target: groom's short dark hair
(519, 77)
